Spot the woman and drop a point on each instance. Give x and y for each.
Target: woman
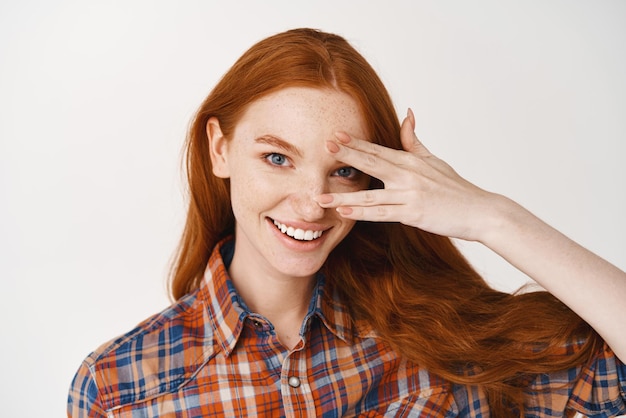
(315, 276)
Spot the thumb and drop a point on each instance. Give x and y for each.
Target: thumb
(409, 140)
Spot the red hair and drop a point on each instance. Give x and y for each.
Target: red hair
(431, 305)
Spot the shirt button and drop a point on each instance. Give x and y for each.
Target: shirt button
(294, 382)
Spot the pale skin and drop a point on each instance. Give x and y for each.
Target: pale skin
(424, 192)
(277, 163)
(290, 160)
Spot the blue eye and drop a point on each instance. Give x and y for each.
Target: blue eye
(347, 172)
(276, 159)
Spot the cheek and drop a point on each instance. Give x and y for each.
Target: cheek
(241, 190)
(348, 225)
(343, 231)
(341, 186)
(249, 194)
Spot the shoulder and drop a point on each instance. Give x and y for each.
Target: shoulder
(600, 385)
(157, 356)
(597, 386)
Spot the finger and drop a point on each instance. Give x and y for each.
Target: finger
(365, 198)
(371, 163)
(381, 151)
(376, 160)
(409, 140)
(379, 213)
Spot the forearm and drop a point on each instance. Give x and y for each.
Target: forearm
(589, 285)
(424, 192)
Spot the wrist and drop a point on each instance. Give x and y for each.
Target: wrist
(503, 220)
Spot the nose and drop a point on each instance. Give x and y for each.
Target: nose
(301, 199)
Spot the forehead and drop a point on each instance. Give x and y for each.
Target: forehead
(297, 109)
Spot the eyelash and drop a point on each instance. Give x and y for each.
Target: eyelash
(354, 174)
(269, 155)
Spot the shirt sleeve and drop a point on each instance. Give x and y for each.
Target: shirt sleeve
(83, 400)
(601, 386)
(595, 389)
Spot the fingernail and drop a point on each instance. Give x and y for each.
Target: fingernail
(332, 147)
(324, 198)
(343, 210)
(343, 137)
(411, 116)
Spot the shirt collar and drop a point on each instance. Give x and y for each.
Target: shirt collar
(228, 311)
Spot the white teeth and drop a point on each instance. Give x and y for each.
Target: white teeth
(298, 233)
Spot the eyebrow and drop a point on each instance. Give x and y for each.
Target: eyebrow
(277, 142)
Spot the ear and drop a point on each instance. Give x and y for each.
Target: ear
(218, 148)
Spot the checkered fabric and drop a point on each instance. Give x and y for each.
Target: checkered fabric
(208, 355)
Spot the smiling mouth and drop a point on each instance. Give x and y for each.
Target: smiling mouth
(297, 233)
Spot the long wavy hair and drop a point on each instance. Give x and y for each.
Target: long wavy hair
(431, 305)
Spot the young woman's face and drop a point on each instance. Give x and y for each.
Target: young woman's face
(277, 163)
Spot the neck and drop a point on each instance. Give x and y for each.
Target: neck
(284, 301)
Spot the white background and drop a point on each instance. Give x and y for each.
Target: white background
(523, 98)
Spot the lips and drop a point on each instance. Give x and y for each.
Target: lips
(298, 233)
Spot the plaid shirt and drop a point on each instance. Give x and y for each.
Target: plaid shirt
(208, 355)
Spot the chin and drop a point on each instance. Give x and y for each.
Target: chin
(301, 268)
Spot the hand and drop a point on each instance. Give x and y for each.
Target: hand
(425, 192)
(420, 190)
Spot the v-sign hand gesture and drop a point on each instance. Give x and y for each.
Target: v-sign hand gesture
(420, 190)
